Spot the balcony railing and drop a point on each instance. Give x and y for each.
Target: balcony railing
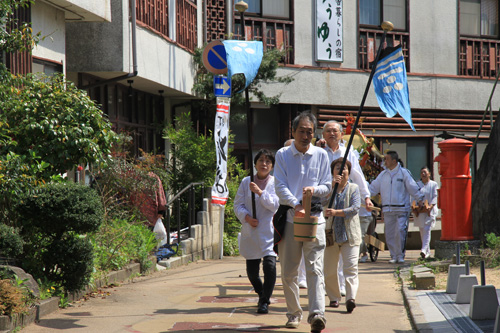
(479, 57)
(154, 14)
(186, 24)
(369, 41)
(273, 34)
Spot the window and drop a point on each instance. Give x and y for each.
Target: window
(415, 153)
(479, 18)
(274, 8)
(374, 12)
(46, 67)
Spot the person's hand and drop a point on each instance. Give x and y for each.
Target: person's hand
(337, 179)
(250, 220)
(368, 204)
(321, 143)
(255, 189)
(308, 188)
(299, 211)
(330, 212)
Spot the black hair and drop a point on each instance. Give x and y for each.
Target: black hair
(339, 161)
(304, 115)
(267, 153)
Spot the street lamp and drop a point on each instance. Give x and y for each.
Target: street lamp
(242, 6)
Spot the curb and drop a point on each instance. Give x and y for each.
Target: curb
(47, 306)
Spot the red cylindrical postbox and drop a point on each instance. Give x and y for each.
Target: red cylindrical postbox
(455, 194)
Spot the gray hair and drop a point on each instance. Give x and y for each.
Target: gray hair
(333, 122)
(304, 115)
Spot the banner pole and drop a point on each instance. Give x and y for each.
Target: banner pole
(386, 26)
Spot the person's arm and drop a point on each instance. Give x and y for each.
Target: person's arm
(412, 187)
(240, 209)
(281, 182)
(358, 178)
(374, 186)
(350, 211)
(269, 199)
(324, 186)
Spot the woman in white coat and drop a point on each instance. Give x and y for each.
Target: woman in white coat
(426, 219)
(257, 234)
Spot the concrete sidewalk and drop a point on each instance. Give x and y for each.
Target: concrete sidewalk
(216, 296)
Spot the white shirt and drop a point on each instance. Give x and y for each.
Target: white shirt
(258, 242)
(429, 191)
(295, 170)
(356, 175)
(395, 187)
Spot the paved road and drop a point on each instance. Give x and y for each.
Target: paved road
(215, 296)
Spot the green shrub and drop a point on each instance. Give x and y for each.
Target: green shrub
(11, 243)
(492, 241)
(58, 208)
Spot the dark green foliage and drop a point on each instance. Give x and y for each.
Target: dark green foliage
(70, 260)
(58, 208)
(53, 219)
(11, 244)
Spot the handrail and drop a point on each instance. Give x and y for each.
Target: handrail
(191, 216)
(472, 152)
(182, 191)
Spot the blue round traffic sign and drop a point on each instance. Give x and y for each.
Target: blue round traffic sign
(214, 57)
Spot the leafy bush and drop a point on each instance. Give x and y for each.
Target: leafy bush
(120, 241)
(11, 243)
(53, 220)
(12, 298)
(58, 208)
(491, 254)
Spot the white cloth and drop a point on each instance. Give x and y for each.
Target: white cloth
(258, 242)
(395, 187)
(395, 233)
(356, 175)
(425, 237)
(429, 191)
(294, 171)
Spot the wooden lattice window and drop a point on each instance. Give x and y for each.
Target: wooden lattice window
(216, 20)
(20, 62)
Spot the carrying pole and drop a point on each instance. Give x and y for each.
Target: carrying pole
(386, 26)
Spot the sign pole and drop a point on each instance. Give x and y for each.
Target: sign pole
(387, 26)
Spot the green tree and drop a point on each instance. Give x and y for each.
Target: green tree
(15, 35)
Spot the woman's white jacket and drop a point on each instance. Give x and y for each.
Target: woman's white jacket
(258, 242)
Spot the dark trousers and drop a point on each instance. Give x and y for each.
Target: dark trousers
(265, 290)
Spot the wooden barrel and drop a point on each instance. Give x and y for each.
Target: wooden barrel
(304, 228)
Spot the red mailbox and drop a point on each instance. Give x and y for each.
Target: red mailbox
(455, 194)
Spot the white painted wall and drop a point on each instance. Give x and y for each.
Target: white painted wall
(50, 21)
(163, 62)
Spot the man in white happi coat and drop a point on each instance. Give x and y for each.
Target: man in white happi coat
(395, 185)
(301, 167)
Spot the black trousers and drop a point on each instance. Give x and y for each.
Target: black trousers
(265, 290)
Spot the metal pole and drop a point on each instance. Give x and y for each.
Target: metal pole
(249, 121)
(387, 26)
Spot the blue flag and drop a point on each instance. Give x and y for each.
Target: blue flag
(391, 85)
(243, 57)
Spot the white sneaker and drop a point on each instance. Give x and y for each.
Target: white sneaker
(400, 261)
(363, 258)
(392, 261)
(302, 285)
(428, 255)
(293, 322)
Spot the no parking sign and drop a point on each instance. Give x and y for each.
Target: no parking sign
(214, 58)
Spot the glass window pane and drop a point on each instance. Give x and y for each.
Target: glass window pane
(489, 17)
(395, 12)
(276, 8)
(265, 122)
(469, 17)
(253, 6)
(416, 154)
(369, 12)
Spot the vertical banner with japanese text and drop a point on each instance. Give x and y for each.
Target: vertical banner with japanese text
(220, 193)
(329, 31)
